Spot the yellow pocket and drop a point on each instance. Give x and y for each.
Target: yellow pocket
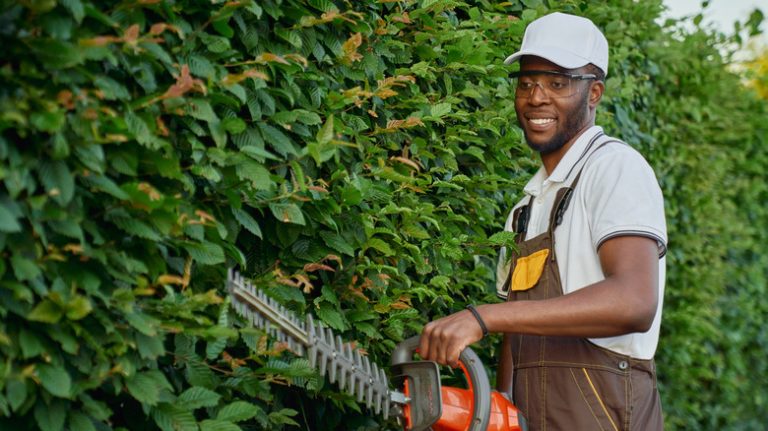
(528, 270)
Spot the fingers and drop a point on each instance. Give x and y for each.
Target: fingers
(433, 339)
(444, 339)
(424, 341)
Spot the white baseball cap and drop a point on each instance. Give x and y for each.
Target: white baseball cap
(569, 41)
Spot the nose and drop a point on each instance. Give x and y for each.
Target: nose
(538, 95)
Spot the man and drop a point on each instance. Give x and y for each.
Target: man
(584, 288)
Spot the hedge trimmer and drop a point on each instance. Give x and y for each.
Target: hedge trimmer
(420, 402)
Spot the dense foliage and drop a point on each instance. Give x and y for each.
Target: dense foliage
(356, 159)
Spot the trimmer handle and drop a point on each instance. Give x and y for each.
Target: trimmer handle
(474, 372)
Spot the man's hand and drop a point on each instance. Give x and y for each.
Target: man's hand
(444, 339)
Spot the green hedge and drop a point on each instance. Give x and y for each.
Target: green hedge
(709, 142)
(357, 159)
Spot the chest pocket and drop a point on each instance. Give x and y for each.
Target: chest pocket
(528, 270)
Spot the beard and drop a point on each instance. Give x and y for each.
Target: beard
(575, 121)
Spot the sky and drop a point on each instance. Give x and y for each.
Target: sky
(721, 13)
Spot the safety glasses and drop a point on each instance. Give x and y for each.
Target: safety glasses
(553, 83)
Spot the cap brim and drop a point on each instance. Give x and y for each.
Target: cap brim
(558, 56)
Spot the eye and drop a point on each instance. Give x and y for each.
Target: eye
(525, 83)
(558, 83)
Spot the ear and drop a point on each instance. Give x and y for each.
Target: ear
(596, 90)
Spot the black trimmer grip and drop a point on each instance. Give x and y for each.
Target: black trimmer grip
(474, 371)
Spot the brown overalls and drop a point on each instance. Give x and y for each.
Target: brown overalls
(570, 383)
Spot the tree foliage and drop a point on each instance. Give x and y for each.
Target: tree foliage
(757, 71)
(357, 159)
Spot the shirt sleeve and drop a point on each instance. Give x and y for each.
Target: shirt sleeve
(623, 197)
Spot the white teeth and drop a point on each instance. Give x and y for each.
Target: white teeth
(540, 121)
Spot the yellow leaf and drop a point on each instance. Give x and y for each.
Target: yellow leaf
(204, 216)
(408, 162)
(152, 192)
(237, 77)
(111, 137)
(160, 27)
(404, 18)
(98, 41)
(298, 59)
(131, 34)
(311, 267)
(170, 279)
(350, 49)
(270, 58)
(385, 93)
(184, 84)
(73, 248)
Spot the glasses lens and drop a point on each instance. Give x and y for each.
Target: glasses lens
(555, 86)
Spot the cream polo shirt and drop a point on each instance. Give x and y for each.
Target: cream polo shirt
(617, 195)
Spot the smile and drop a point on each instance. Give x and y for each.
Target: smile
(541, 121)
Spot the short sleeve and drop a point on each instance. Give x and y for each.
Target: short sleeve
(623, 197)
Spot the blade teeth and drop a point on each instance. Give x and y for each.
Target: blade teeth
(346, 352)
(358, 388)
(255, 321)
(384, 396)
(323, 362)
(312, 338)
(334, 355)
(340, 362)
(344, 372)
(369, 392)
(357, 367)
(299, 324)
(323, 353)
(347, 369)
(377, 392)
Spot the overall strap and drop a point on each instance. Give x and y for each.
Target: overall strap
(520, 219)
(563, 197)
(520, 228)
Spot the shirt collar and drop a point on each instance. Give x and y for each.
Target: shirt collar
(576, 153)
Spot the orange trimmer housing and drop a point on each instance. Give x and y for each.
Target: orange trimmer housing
(456, 415)
(457, 405)
(443, 408)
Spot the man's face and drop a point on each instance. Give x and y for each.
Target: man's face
(549, 123)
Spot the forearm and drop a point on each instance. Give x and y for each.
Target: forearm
(624, 302)
(603, 309)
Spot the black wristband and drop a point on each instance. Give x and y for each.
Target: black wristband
(480, 322)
